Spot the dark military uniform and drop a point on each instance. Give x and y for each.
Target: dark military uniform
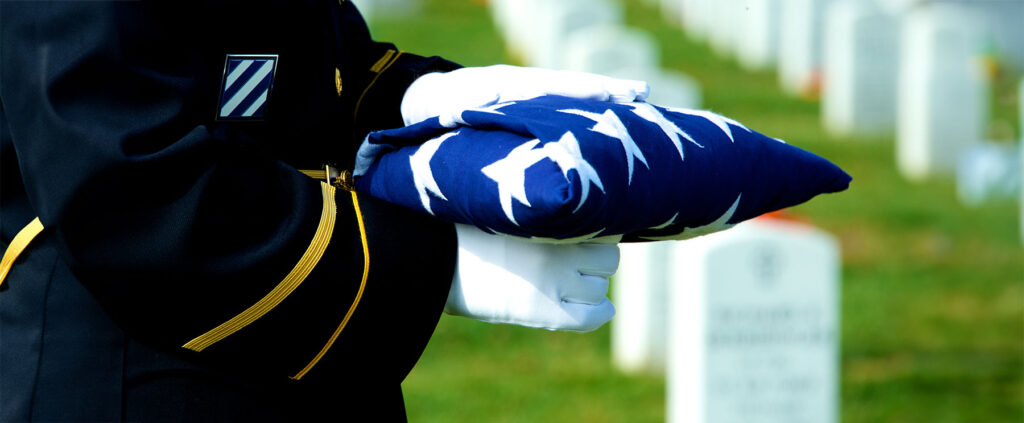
(188, 269)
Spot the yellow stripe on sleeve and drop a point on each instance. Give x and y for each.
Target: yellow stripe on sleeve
(389, 59)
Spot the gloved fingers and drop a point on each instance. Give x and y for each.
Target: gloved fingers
(450, 113)
(585, 289)
(600, 87)
(586, 317)
(586, 87)
(597, 259)
(626, 90)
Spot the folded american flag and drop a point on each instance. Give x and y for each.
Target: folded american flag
(558, 169)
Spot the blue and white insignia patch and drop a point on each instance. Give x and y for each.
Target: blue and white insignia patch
(248, 79)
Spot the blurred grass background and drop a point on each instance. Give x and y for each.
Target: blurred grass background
(932, 292)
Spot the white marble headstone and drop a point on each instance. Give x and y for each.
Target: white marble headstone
(988, 171)
(723, 32)
(697, 18)
(553, 21)
(942, 104)
(640, 294)
(755, 326)
(800, 45)
(512, 18)
(758, 33)
(669, 88)
(861, 62)
(605, 49)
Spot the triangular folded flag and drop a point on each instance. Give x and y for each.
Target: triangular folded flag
(558, 169)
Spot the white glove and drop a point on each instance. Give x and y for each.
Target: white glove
(448, 94)
(501, 279)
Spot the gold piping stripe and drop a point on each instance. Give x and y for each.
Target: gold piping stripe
(380, 72)
(286, 287)
(359, 294)
(376, 68)
(315, 174)
(18, 244)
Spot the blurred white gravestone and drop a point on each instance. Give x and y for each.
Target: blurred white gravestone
(631, 54)
(800, 45)
(516, 24)
(758, 37)
(861, 59)
(640, 293)
(988, 171)
(554, 21)
(754, 326)
(605, 49)
(697, 18)
(502, 12)
(941, 104)
(668, 88)
(1003, 26)
(723, 31)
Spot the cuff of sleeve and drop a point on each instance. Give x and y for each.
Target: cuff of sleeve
(379, 106)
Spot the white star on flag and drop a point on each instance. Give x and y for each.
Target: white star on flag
(567, 155)
(510, 174)
(591, 238)
(670, 221)
(651, 114)
(458, 120)
(721, 121)
(422, 174)
(687, 233)
(608, 123)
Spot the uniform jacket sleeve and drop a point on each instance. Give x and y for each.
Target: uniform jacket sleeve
(178, 222)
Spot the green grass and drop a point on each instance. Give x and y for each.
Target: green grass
(932, 295)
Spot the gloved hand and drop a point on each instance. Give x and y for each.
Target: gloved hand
(448, 94)
(501, 279)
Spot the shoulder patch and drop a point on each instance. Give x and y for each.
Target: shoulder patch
(246, 86)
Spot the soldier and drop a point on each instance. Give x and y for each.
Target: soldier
(180, 242)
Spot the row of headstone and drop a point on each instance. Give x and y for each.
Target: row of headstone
(919, 69)
(860, 69)
(942, 93)
(743, 323)
(537, 30)
(909, 68)
(589, 36)
(761, 34)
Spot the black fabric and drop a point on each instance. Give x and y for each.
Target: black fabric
(163, 222)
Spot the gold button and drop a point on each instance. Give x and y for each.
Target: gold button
(337, 81)
(345, 181)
